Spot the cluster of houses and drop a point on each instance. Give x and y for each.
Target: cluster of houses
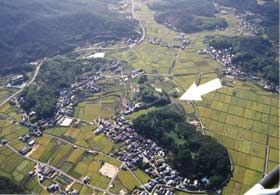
(139, 150)
(160, 42)
(125, 76)
(72, 96)
(224, 56)
(131, 107)
(44, 172)
(27, 139)
(249, 22)
(164, 191)
(16, 81)
(161, 190)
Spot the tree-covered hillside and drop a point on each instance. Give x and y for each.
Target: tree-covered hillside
(197, 15)
(34, 29)
(254, 55)
(188, 15)
(194, 155)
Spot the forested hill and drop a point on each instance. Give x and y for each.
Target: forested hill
(8, 187)
(188, 15)
(192, 154)
(198, 15)
(33, 29)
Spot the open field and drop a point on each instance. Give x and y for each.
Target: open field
(109, 106)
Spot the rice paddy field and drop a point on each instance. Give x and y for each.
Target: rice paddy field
(242, 116)
(147, 56)
(88, 110)
(128, 180)
(9, 112)
(16, 168)
(76, 161)
(83, 136)
(245, 119)
(99, 106)
(8, 130)
(142, 176)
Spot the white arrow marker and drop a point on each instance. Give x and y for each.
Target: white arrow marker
(195, 92)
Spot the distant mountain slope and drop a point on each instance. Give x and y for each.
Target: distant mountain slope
(188, 15)
(33, 29)
(268, 11)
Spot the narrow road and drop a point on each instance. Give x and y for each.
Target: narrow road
(138, 180)
(171, 69)
(198, 80)
(123, 47)
(197, 117)
(140, 23)
(267, 148)
(146, 74)
(27, 85)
